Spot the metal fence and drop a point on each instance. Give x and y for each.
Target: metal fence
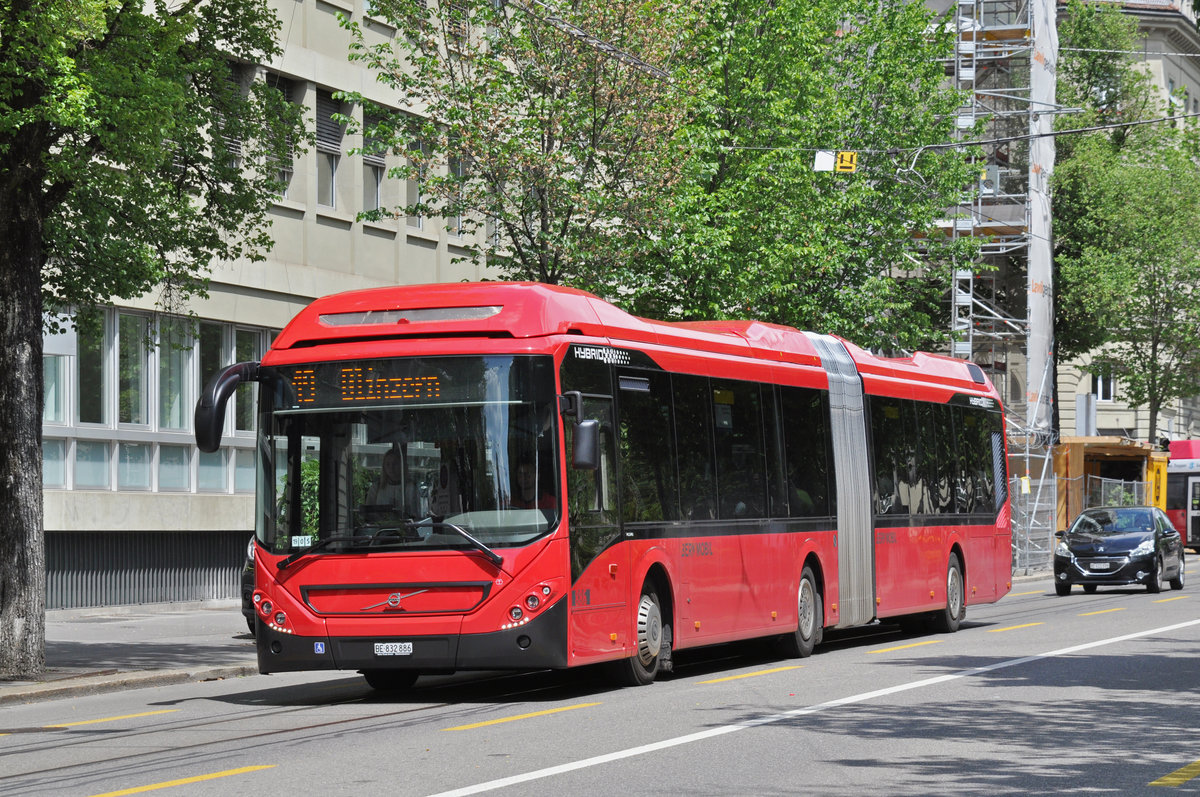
(1114, 492)
(110, 568)
(1034, 510)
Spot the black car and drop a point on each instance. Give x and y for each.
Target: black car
(248, 586)
(1119, 545)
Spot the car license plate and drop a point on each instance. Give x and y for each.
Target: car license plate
(1101, 565)
(393, 648)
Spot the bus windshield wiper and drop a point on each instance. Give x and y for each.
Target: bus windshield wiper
(320, 545)
(491, 555)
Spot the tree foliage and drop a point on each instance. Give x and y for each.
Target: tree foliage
(1126, 200)
(549, 126)
(758, 232)
(134, 153)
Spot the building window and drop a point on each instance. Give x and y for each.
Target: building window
(285, 169)
(54, 406)
(329, 148)
(458, 171)
(247, 347)
(211, 474)
(1104, 386)
(54, 463)
(173, 468)
(175, 403)
(90, 376)
(133, 466)
(372, 187)
(91, 465)
(413, 197)
(133, 370)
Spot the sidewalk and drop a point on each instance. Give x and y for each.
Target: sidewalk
(124, 647)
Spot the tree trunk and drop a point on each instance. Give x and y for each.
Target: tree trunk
(22, 544)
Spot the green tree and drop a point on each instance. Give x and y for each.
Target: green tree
(1096, 75)
(1125, 203)
(126, 135)
(552, 127)
(758, 232)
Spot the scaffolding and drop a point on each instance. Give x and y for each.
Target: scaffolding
(993, 66)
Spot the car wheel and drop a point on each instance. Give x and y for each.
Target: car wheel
(1177, 582)
(947, 620)
(800, 643)
(1062, 589)
(1154, 584)
(1089, 588)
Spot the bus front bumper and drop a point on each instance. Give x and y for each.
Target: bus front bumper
(540, 644)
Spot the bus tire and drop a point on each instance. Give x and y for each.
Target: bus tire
(946, 621)
(390, 680)
(810, 618)
(653, 634)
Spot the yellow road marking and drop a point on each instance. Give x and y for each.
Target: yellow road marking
(113, 719)
(1019, 594)
(520, 717)
(752, 674)
(902, 647)
(1012, 628)
(1179, 776)
(1168, 600)
(183, 781)
(1103, 611)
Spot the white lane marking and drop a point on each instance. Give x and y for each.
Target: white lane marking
(631, 752)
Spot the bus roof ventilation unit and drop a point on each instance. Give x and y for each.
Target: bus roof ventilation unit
(422, 315)
(976, 373)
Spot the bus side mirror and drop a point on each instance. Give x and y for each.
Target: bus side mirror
(586, 455)
(210, 409)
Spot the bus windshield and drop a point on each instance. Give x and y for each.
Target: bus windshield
(408, 454)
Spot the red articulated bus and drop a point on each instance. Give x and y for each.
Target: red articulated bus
(1183, 490)
(521, 476)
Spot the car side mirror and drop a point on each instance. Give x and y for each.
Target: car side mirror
(1059, 534)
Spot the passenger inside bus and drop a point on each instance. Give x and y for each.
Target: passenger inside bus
(388, 489)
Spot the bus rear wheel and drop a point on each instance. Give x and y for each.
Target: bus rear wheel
(653, 643)
(390, 680)
(811, 617)
(947, 620)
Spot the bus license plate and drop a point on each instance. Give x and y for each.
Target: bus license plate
(393, 648)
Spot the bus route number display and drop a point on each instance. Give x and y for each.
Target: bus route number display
(354, 384)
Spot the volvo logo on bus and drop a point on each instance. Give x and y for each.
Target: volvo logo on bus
(392, 601)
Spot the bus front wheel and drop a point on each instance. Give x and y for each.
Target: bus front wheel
(653, 642)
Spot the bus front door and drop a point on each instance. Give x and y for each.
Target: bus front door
(599, 624)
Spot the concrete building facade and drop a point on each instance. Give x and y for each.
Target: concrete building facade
(134, 512)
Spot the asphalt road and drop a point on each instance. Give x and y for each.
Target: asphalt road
(1036, 694)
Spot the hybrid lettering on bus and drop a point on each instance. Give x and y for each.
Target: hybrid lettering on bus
(519, 476)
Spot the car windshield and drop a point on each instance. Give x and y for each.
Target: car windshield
(412, 454)
(1114, 522)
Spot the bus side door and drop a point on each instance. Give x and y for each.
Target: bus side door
(599, 562)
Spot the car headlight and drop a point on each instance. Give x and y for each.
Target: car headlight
(1062, 550)
(1145, 549)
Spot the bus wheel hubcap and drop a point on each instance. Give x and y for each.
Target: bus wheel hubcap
(649, 630)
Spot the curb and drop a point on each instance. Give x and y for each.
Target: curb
(98, 684)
